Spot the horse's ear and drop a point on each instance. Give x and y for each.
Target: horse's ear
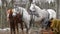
(9, 11)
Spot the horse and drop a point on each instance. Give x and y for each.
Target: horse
(10, 20)
(26, 17)
(52, 13)
(14, 20)
(40, 15)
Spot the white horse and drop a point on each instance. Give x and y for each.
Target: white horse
(43, 14)
(52, 13)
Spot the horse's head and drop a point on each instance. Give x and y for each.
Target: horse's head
(9, 13)
(18, 10)
(14, 12)
(34, 10)
(32, 7)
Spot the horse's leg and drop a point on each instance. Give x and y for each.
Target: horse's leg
(45, 23)
(27, 28)
(31, 22)
(13, 27)
(17, 30)
(22, 27)
(14, 30)
(10, 27)
(27, 31)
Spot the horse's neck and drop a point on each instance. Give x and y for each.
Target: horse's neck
(25, 12)
(38, 9)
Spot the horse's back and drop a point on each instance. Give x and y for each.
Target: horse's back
(45, 13)
(52, 13)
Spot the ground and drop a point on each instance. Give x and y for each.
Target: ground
(32, 30)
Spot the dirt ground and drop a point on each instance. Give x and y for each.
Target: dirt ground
(32, 31)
